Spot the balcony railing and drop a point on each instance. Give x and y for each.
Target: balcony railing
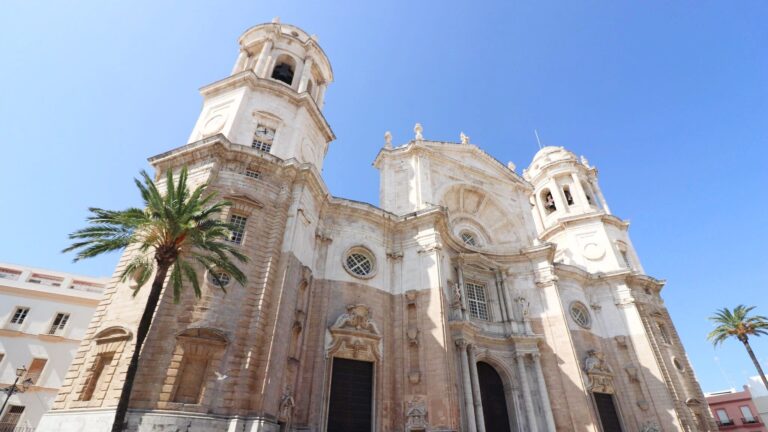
(752, 420)
(4, 427)
(725, 423)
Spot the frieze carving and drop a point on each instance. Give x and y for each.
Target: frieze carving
(354, 335)
(599, 372)
(416, 414)
(649, 427)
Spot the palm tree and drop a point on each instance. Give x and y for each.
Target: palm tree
(737, 324)
(174, 231)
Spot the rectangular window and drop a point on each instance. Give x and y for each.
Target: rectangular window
(9, 274)
(664, 334)
(252, 174)
(19, 315)
(57, 327)
(11, 417)
(722, 417)
(476, 300)
(191, 379)
(262, 139)
(746, 414)
(97, 374)
(238, 228)
(36, 369)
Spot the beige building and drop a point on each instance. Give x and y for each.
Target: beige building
(473, 299)
(43, 317)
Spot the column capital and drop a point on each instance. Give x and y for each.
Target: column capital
(462, 343)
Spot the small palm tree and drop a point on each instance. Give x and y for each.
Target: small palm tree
(737, 324)
(174, 231)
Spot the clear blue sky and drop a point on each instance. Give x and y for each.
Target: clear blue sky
(668, 99)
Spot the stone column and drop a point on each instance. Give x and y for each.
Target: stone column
(242, 59)
(261, 62)
(468, 407)
(476, 389)
(530, 413)
(601, 197)
(557, 195)
(580, 192)
(460, 275)
(544, 393)
(306, 74)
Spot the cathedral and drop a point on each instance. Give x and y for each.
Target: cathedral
(473, 298)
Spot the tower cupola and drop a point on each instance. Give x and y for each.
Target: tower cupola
(272, 101)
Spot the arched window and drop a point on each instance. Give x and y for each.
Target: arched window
(284, 69)
(568, 196)
(588, 193)
(548, 201)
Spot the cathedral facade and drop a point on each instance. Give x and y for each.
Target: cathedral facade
(473, 298)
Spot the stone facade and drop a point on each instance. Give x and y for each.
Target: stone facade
(473, 299)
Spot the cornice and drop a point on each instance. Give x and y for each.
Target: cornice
(564, 223)
(248, 78)
(543, 171)
(629, 277)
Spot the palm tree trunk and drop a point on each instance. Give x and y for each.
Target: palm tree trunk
(141, 335)
(755, 361)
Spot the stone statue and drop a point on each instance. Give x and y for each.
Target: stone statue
(457, 294)
(464, 138)
(387, 140)
(418, 131)
(357, 317)
(599, 372)
(584, 161)
(286, 405)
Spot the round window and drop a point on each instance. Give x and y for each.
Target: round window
(219, 278)
(469, 239)
(580, 314)
(677, 364)
(359, 262)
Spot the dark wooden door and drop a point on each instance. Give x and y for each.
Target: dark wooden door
(351, 403)
(609, 417)
(494, 401)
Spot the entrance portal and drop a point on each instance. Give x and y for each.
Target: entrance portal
(351, 402)
(494, 401)
(609, 417)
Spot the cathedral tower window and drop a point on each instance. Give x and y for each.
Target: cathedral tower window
(237, 226)
(568, 196)
(588, 193)
(263, 138)
(284, 69)
(476, 300)
(548, 201)
(580, 315)
(359, 262)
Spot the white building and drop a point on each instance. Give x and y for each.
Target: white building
(43, 317)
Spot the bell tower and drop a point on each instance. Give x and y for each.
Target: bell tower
(570, 210)
(273, 99)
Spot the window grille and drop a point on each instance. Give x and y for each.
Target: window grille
(59, 323)
(219, 278)
(580, 315)
(252, 174)
(11, 417)
(263, 138)
(359, 264)
(19, 315)
(237, 223)
(468, 238)
(476, 300)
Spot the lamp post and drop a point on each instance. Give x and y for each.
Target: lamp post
(15, 388)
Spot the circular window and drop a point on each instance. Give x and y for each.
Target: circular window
(677, 364)
(469, 239)
(219, 278)
(359, 262)
(580, 314)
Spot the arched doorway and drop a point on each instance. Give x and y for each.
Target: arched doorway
(494, 400)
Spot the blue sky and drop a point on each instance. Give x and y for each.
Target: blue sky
(668, 99)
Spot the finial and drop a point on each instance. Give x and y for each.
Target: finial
(511, 166)
(464, 138)
(387, 140)
(276, 20)
(584, 161)
(418, 130)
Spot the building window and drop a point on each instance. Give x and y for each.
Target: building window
(219, 278)
(359, 262)
(263, 138)
(663, 333)
(36, 369)
(252, 174)
(283, 71)
(468, 238)
(746, 415)
(237, 226)
(193, 371)
(580, 314)
(678, 365)
(11, 418)
(548, 200)
(59, 323)
(476, 300)
(19, 315)
(723, 419)
(96, 379)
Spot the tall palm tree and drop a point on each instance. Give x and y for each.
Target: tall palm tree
(175, 230)
(737, 324)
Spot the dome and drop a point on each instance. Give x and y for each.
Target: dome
(550, 154)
